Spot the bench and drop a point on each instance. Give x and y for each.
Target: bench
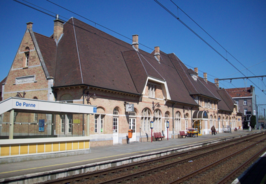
(158, 135)
(182, 133)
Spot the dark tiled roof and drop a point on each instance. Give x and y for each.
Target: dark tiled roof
(48, 49)
(2, 82)
(194, 87)
(227, 99)
(86, 55)
(108, 62)
(239, 92)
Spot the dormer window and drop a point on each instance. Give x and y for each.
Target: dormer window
(27, 54)
(152, 89)
(194, 77)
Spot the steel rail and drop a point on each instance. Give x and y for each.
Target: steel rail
(85, 176)
(241, 167)
(201, 170)
(163, 167)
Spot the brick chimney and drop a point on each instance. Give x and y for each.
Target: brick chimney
(29, 25)
(216, 81)
(58, 28)
(135, 42)
(205, 76)
(196, 70)
(157, 53)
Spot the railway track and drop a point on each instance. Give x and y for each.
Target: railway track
(159, 164)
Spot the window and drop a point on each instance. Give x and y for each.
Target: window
(115, 119)
(245, 102)
(132, 120)
(157, 121)
(152, 89)
(98, 125)
(145, 119)
(27, 54)
(177, 121)
(245, 111)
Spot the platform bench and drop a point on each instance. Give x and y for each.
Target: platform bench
(182, 133)
(158, 135)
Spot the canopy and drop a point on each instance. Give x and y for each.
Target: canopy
(200, 115)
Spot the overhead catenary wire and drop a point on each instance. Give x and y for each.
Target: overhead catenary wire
(206, 42)
(64, 17)
(227, 52)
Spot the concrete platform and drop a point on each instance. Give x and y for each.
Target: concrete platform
(103, 157)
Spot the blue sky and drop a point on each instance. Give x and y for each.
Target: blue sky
(239, 26)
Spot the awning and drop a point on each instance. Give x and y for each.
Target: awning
(200, 115)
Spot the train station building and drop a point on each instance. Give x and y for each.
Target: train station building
(80, 65)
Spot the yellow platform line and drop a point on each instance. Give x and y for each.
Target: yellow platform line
(33, 168)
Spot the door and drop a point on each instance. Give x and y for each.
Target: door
(115, 130)
(132, 126)
(165, 129)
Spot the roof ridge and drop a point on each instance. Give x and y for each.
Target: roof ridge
(42, 35)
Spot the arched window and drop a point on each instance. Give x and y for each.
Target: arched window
(99, 120)
(177, 121)
(157, 121)
(67, 98)
(115, 119)
(145, 120)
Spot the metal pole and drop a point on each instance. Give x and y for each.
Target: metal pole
(151, 134)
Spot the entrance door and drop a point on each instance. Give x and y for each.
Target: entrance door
(115, 130)
(132, 125)
(165, 129)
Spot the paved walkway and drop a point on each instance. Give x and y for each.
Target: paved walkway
(99, 154)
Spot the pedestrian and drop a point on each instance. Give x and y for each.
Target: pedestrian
(213, 130)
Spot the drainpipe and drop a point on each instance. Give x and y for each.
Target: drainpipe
(191, 117)
(83, 133)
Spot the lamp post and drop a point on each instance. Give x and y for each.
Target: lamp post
(167, 126)
(151, 125)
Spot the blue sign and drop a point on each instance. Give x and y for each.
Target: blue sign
(24, 104)
(41, 125)
(151, 125)
(94, 109)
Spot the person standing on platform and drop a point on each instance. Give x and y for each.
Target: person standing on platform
(213, 130)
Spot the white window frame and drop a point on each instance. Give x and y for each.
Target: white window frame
(245, 102)
(151, 89)
(98, 123)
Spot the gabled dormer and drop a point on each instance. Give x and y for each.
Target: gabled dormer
(156, 89)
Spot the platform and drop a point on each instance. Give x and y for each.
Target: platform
(98, 155)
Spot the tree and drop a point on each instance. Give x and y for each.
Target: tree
(253, 121)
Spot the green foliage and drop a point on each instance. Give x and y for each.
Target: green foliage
(253, 121)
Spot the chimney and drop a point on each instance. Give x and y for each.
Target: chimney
(216, 81)
(58, 28)
(205, 76)
(135, 42)
(29, 25)
(157, 53)
(196, 70)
